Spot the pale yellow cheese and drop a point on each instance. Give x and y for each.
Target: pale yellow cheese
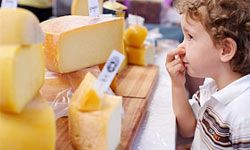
(86, 96)
(98, 130)
(76, 42)
(80, 7)
(22, 74)
(140, 56)
(32, 129)
(19, 26)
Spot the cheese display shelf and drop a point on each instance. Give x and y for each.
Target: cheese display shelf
(135, 84)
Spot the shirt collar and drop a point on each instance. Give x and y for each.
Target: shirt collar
(233, 90)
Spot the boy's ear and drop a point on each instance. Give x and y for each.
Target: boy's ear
(228, 49)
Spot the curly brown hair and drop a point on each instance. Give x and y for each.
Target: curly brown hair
(223, 19)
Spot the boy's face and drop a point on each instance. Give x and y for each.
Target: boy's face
(202, 57)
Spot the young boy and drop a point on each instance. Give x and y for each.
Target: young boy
(217, 46)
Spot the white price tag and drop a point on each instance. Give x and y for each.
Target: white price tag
(9, 4)
(94, 10)
(109, 71)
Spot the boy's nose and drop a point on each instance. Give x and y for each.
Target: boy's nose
(181, 45)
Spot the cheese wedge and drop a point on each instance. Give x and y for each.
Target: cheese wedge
(32, 129)
(81, 7)
(86, 96)
(98, 130)
(76, 42)
(19, 26)
(135, 36)
(141, 56)
(22, 74)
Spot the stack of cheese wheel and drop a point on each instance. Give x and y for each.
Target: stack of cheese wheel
(138, 53)
(26, 120)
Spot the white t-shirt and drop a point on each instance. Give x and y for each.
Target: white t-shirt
(223, 117)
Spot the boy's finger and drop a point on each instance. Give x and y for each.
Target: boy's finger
(172, 54)
(178, 69)
(174, 62)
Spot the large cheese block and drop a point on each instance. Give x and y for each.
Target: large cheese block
(75, 42)
(98, 130)
(22, 74)
(81, 7)
(87, 96)
(19, 26)
(141, 56)
(32, 129)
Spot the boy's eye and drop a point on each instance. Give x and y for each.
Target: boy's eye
(190, 36)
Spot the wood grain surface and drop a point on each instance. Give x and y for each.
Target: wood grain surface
(136, 81)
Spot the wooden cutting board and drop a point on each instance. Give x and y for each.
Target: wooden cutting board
(136, 81)
(135, 84)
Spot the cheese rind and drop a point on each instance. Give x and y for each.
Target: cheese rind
(76, 42)
(32, 129)
(140, 56)
(80, 7)
(99, 130)
(22, 75)
(19, 26)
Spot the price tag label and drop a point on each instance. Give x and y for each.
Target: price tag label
(94, 10)
(109, 71)
(9, 4)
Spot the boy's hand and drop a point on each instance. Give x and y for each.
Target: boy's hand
(175, 67)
